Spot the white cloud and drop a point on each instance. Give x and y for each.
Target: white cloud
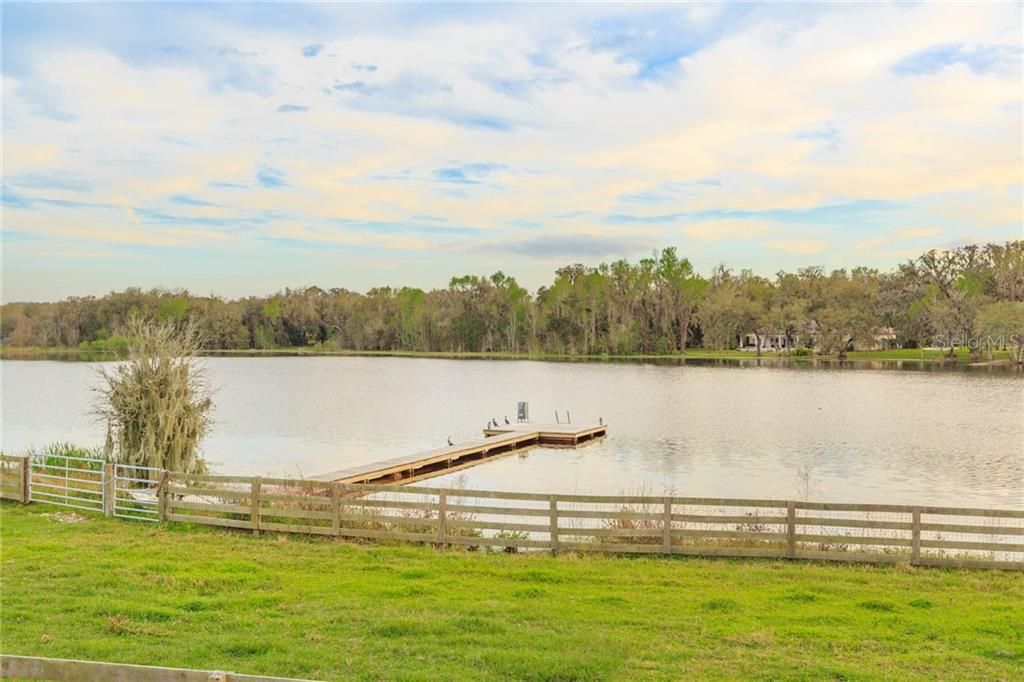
(717, 230)
(799, 247)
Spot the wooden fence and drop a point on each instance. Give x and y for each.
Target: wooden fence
(34, 668)
(14, 480)
(512, 521)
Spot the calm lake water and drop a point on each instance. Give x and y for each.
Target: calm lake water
(951, 437)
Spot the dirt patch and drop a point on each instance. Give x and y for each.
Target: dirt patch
(65, 517)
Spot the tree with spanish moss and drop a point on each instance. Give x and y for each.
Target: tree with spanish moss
(156, 404)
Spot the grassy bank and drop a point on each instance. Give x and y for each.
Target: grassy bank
(962, 356)
(130, 592)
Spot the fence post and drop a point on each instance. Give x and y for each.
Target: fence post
(553, 527)
(254, 512)
(109, 489)
(442, 517)
(666, 530)
(165, 479)
(335, 508)
(26, 480)
(915, 535)
(791, 529)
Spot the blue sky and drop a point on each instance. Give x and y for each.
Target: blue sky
(238, 149)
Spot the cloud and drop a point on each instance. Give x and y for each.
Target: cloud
(980, 59)
(799, 247)
(871, 243)
(918, 233)
(576, 247)
(620, 125)
(910, 234)
(305, 236)
(312, 50)
(714, 230)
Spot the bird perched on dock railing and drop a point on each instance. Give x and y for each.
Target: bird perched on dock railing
(507, 422)
(450, 441)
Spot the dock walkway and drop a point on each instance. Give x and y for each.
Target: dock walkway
(497, 441)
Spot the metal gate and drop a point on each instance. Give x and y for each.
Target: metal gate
(136, 492)
(67, 481)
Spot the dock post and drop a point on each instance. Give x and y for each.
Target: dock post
(553, 527)
(442, 517)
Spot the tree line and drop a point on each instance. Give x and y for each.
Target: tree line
(657, 305)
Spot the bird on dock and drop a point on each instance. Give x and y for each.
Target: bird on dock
(507, 421)
(450, 441)
(600, 421)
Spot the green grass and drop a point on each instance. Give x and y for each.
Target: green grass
(962, 355)
(111, 590)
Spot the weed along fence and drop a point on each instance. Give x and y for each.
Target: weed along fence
(512, 521)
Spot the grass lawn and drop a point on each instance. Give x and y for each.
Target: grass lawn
(111, 590)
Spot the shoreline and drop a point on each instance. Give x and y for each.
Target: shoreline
(914, 356)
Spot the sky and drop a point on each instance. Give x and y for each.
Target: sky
(239, 149)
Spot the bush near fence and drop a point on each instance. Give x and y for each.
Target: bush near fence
(513, 521)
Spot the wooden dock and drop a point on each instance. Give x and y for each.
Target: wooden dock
(497, 441)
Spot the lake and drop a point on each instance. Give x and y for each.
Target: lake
(949, 437)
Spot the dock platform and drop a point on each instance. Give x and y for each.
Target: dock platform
(500, 440)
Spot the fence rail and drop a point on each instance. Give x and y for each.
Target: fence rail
(514, 521)
(34, 668)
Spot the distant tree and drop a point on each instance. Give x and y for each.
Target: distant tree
(658, 304)
(754, 309)
(682, 291)
(1007, 264)
(1002, 324)
(719, 313)
(845, 315)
